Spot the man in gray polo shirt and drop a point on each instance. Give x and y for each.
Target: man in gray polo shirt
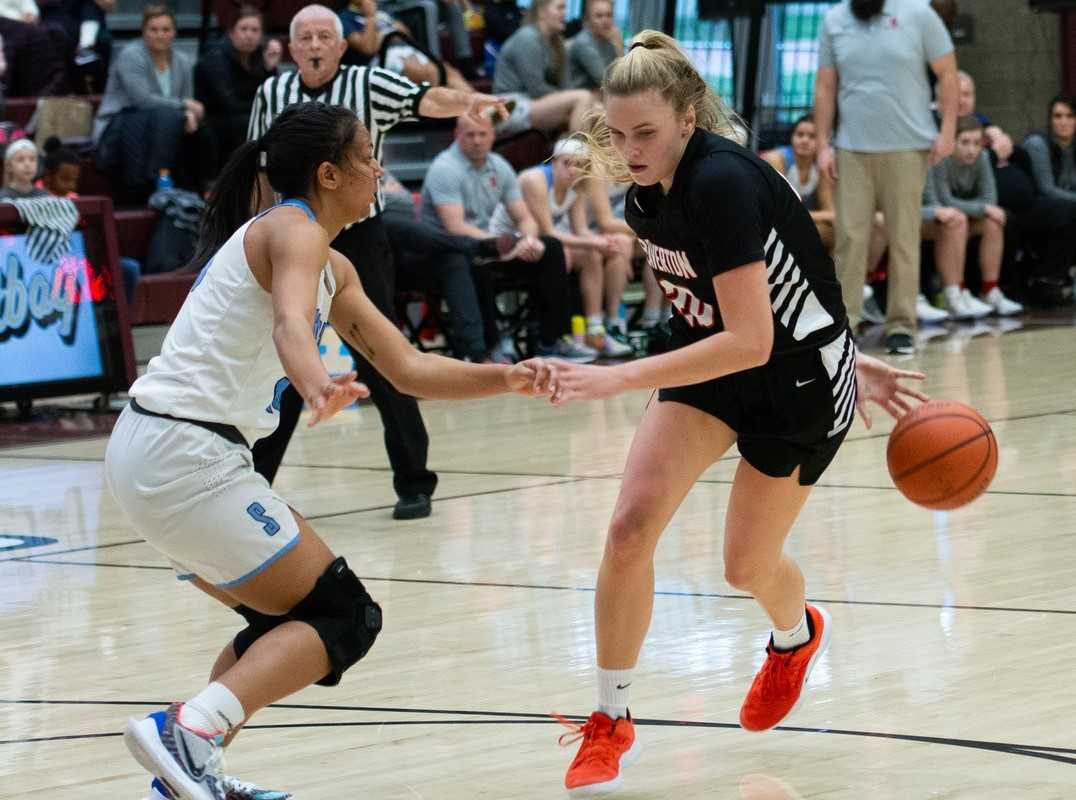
(463, 186)
(872, 67)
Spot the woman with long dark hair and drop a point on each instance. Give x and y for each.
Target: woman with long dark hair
(179, 460)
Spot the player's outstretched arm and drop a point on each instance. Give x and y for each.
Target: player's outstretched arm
(297, 263)
(880, 383)
(364, 327)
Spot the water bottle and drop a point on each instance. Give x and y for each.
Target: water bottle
(164, 179)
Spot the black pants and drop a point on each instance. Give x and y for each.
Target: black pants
(429, 255)
(406, 439)
(1049, 225)
(547, 282)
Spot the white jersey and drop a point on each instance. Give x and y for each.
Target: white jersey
(218, 362)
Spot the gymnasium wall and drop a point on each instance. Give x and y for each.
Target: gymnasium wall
(1016, 62)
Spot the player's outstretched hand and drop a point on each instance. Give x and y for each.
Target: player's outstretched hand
(584, 382)
(533, 377)
(337, 394)
(880, 383)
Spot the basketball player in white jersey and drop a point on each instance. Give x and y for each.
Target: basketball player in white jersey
(179, 460)
(762, 358)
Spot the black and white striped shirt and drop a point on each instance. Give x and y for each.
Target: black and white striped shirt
(379, 98)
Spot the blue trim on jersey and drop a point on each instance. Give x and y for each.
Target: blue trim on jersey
(301, 204)
(547, 168)
(294, 202)
(261, 567)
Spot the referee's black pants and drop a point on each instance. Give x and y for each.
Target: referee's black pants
(406, 440)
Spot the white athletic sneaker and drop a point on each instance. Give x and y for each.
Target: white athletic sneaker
(568, 349)
(963, 306)
(234, 788)
(1002, 305)
(927, 313)
(872, 313)
(188, 764)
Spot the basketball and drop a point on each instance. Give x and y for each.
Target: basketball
(942, 455)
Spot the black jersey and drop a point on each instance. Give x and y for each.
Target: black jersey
(728, 208)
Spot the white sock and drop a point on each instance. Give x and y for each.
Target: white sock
(213, 710)
(613, 685)
(594, 325)
(794, 637)
(614, 324)
(952, 292)
(650, 318)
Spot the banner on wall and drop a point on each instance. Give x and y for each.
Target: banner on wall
(54, 317)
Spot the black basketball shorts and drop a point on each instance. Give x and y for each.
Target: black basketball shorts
(791, 412)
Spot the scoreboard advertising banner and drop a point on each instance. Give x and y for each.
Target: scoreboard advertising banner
(60, 331)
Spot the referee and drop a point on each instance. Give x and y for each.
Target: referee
(380, 99)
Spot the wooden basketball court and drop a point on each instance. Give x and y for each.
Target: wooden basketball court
(950, 674)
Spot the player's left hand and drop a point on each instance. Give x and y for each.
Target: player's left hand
(586, 382)
(532, 377)
(336, 395)
(481, 103)
(880, 383)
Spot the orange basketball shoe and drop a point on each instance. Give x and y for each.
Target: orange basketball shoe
(608, 746)
(778, 687)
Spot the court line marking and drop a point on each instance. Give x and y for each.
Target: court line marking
(1058, 754)
(43, 559)
(30, 456)
(75, 550)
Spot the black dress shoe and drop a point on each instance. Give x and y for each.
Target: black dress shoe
(414, 506)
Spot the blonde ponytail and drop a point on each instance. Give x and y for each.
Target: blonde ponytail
(655, 61)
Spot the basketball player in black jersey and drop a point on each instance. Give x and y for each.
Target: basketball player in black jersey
(764, 359)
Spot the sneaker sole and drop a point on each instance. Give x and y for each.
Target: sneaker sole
(827, 624)
(144, 743)
(599, 789)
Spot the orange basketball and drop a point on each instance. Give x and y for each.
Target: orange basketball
(942, 454)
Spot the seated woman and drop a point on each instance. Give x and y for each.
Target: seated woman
(227, 77)
(149, 119)
(960, 203)
(595, 47)
(559, 202)
(796, 161)
(532, 73)
(379, 39)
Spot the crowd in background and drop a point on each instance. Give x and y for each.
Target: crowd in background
(994, 214)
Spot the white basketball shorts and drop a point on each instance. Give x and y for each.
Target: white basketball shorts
(196, 498)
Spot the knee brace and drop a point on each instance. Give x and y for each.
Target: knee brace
(258, 624)
(345, 617)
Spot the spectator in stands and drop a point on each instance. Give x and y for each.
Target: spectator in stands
(381, 40)
(63, 168)
(871, 57)
(20, 168)
(418, 251)
(1052, 162)
(227, 77)
(560, 200)
(532, 72)
(595, 47)
(89, 43)
(960, 202)
(149, 119)
(34, 52)
(463, 187)
(1053, 169)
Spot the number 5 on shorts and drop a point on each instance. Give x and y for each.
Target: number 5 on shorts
(257, 513)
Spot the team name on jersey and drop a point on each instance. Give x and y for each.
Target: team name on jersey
(672, 261)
